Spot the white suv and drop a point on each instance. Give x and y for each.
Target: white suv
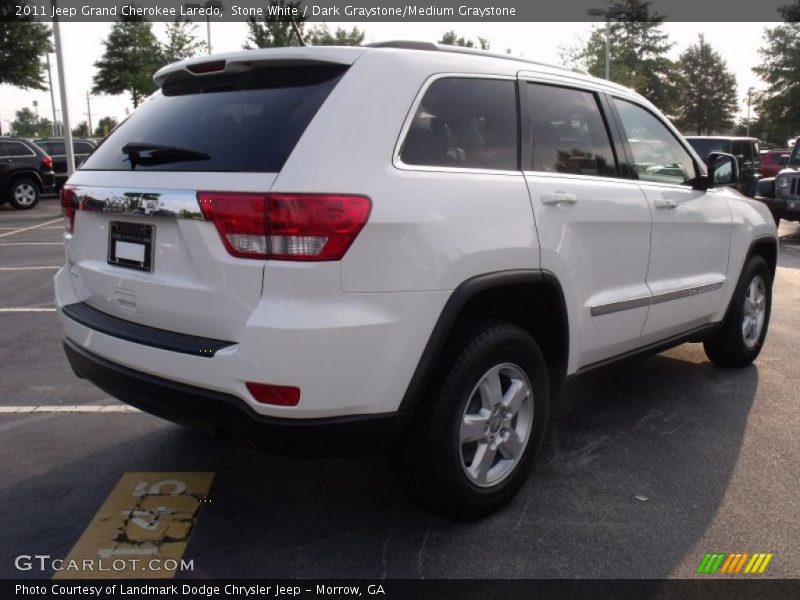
(404, 247)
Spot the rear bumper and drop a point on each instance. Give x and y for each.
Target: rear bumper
(225, 415)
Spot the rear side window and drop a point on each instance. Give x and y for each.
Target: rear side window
(465, 123)
(246, 122)
(82, 148)
(569, 132)
(16, 149)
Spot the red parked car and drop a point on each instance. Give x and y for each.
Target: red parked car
(773, 161)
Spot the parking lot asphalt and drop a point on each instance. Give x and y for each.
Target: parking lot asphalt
(647, 467)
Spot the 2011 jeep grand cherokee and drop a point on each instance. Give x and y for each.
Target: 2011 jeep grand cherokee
(401, 248)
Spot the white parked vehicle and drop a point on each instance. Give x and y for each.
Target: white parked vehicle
(398, 248)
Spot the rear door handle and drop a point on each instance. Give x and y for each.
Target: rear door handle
(665, 203)
(559, 198)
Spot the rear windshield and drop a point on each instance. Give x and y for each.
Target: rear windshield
(247, 122)
(704, 147)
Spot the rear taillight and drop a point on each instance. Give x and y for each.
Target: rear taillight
(69, 204)
(47, 162)
(300, 227)
(280, 395)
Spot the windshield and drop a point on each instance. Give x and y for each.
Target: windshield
(794, 160)
(246, 122)
(704, 147)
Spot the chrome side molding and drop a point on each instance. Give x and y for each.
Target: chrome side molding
(612, 307)
(172, 204)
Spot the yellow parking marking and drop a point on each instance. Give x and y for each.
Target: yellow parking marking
(142, 529)
(29, 228)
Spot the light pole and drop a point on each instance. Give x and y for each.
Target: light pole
(209, 5)
(52, 94)
(63, 89)
(615, 11)
(749, 96)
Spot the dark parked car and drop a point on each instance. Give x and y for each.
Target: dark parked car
(55, 148)
(782, 192)
(26, 172)
(745, 149)
(773, 161)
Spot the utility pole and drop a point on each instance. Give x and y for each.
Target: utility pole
(52, 95)
(64, 105)
(89, 114)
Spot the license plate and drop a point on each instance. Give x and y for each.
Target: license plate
(130, 245)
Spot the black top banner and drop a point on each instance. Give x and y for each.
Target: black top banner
(365, 11)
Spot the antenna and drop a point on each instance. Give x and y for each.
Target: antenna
(297, 32)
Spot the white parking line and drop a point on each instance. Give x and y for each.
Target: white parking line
(26, 268)
(29, 228)
(21, 310)
(32, 244)
(73, 408)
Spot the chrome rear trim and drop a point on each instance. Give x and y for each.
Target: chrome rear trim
(140, 202)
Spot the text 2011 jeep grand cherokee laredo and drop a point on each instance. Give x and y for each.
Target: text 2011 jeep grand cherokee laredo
(401, 248)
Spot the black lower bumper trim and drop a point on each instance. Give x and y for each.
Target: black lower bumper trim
(142, 334)
(224, 414)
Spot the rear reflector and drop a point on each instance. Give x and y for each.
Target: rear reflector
(280, 395)
(299, 227)
(68, 207)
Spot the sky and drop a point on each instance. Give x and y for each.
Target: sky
(738, 44)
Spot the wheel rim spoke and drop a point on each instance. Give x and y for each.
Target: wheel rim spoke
(483, 461)
(515, 395)
(491, 390)
(754, 311)
(512, 448)
(473, 428)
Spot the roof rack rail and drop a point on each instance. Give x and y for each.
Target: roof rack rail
(430, 46)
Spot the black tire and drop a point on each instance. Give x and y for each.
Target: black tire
(430, 460)
(23, 193)
(729, 346)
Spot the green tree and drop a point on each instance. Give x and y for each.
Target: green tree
(639, 48)
(274, 31)
(132, 55)
(779, 103)
(23, 45)
(27, 124)
(104, 126)
(320, 35)
(451, 38)
(82, 130)
(181, 42)
(709, 90)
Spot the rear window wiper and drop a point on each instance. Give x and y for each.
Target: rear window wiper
(159, 154)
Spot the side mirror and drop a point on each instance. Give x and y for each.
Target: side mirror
(723, 169)
(783, 160)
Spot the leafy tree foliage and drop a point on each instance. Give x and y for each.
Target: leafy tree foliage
(181, 42)
(709, 90)
(451, 38)
(82, 130)
(27, 124)
(132, 55)
(779, 103)
(639, 48)
(276, 32)
(321, 35)
(23, 45)
(104, 126)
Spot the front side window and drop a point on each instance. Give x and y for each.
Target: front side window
(464, 123)
(568, 131)
(657, 154)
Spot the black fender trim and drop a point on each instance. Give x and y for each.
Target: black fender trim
(30, 173)
(452, 309)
